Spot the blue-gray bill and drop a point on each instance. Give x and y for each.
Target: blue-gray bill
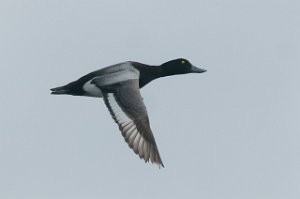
(195, 69)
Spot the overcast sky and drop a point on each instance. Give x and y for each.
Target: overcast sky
(231, 133)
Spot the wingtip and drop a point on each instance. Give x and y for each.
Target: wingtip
(161, 166)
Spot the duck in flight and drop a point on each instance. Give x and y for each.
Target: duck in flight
(119, 85)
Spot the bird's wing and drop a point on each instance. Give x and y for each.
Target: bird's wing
(126, 107)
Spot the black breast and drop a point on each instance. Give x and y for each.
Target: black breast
(147, 73)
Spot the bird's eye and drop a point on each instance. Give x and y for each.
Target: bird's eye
(182, 61)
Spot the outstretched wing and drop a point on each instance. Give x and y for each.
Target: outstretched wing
(126, 107)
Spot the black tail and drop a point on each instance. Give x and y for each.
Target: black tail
(60, 90)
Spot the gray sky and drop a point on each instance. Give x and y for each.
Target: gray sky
(230, 133)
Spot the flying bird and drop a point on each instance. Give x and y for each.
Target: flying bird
(119, 86)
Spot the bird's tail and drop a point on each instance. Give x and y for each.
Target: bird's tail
(60, 90)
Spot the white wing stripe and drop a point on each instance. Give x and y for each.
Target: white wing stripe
(127, 125)
(121, 117)
(132, 135)
(142, 141)
(128, 129)
(136, 142)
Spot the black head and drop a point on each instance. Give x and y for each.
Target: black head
(180, 66)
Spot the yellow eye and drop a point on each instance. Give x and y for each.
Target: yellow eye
(182, 61)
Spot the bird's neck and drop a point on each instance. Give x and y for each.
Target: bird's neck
(149, 73)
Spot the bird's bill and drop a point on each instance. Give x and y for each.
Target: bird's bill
(195, 69)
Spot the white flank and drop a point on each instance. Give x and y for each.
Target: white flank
(122, 73)
(92, 90)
